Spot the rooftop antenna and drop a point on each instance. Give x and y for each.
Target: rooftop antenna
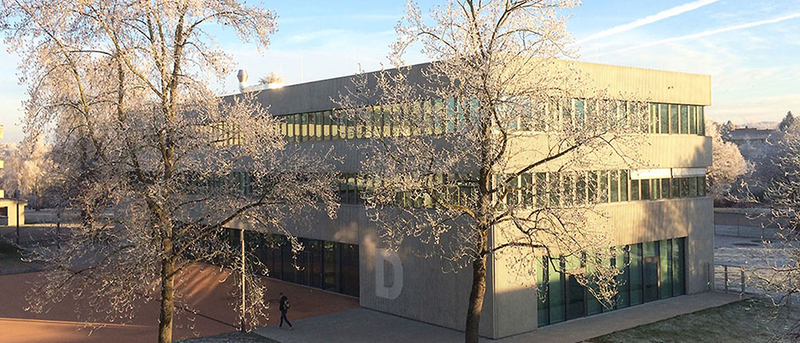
(242, 76)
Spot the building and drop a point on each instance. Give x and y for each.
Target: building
(660, 216)
(10, 209)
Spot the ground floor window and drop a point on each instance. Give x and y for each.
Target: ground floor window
(322, 264)
(649, 271)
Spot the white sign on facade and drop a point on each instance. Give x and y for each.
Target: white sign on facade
(391, 291)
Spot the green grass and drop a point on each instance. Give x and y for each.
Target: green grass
(8, 250)
(744, 321)
(234, 336)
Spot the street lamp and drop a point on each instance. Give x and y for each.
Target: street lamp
(16, 200)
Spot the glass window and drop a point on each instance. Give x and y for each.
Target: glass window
(512, 198)
(556, 294)
(664, 118)
(654, 127)
(701, 186)
(701, 121)
(623, 293)
(684, 119)
(645, 189)
(693, 120)
(614, 175)
(692, 181)
(665, 254)
(315, 247)
(580, 112)
(684, 187)
(334, 125)
(527, 192)
(542, 295)
(349, 269)
(576, 305)
(673, 120)
(634, 190)
(555, 185)
(568, 194)
(603, 190)
(592, 305)
(676, 188)
(331, 266)
(677, 266)
(655, 189)
(580, 189)
(650, 262)
(541, 189)
(592, 187)
(623, 185)
(665, 188)
(635, 268)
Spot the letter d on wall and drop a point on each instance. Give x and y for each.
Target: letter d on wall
(381, 289)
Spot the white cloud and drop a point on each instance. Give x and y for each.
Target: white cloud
(713, 32)
(649, 19)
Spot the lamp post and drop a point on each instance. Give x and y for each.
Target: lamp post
(16, 200)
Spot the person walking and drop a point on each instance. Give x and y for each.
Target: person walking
(284, 306)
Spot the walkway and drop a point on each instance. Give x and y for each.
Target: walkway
(363, 325)
(202, 288)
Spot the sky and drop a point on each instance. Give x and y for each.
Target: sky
(750, 48)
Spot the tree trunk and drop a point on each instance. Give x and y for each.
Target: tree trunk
(476, 300)
(167, 293)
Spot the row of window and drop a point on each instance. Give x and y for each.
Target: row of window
(321, 264)
(442, 117)
(676, 119)
(648, 271)
(537, 190)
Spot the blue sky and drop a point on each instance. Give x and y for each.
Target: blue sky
(750, 48)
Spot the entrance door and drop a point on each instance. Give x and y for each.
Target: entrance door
(651, 278)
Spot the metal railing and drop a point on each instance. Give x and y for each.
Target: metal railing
(732, 278)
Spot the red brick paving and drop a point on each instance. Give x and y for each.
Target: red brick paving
(202, 291)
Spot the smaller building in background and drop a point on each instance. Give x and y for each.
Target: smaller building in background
(752, 142)
(12, 211)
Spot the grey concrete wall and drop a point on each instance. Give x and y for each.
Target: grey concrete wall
(430, 292)
(654, 220)
(515, 302)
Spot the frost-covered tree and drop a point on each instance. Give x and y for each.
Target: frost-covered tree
(458, 146)
(162, 158)
(782, 195)
(728, 164)
(29, 169)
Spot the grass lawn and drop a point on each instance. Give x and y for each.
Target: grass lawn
(751, 320)
(230, 337)
(11, 260)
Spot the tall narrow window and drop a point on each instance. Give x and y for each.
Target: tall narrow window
(592, 187)
(684, 119)
(664, 118)
(674, 121)
(623, 185)
(580, 188)
(614, 186)
(603, 189)
(555, 189)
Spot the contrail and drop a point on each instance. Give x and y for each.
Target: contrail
(649, 19)
(713, 32)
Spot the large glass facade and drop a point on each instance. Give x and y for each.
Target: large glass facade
(442, 117)
(326, 265)
(540, 189)
(649, 271)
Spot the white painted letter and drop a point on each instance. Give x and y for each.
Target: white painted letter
(381, 289)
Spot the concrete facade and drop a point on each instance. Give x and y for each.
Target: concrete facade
(408, 284)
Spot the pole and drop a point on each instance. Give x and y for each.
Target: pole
(241, 245)
(17, 201)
